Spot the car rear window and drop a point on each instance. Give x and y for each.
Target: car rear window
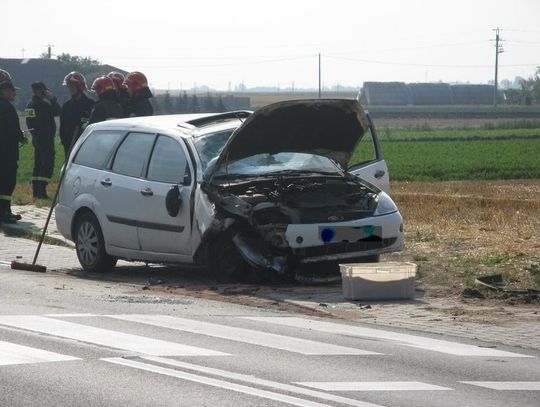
(97, 148)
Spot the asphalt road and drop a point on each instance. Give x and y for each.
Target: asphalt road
(71, 341)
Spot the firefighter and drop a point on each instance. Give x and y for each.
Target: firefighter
(107, 106)
(10, 137)
(139, 95)
(121, 90)
(75, 112)
(40, 114)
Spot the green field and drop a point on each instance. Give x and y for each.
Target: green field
(457, 134)
(462, 160)
(468, 154)
(26, 161)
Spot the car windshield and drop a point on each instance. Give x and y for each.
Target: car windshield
(210, 146)
(263, 164)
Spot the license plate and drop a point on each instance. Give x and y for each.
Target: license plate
(334, 234)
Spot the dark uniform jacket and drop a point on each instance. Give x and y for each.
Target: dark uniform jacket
(10, 135)
(107, 107)
(74, 118)
(139, 104)
(122, 97)
(40, 115)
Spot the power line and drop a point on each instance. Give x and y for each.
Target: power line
(262, 61)
(371, 61)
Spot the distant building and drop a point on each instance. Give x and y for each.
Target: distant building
(49, 71)
(400, 93)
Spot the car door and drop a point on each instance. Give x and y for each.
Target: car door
(119, 186)
(159, 230)
(368, 163)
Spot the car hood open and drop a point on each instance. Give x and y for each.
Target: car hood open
(326, 127)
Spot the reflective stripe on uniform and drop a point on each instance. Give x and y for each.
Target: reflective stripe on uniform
(5, 198)
(30, 113)
(45, 179)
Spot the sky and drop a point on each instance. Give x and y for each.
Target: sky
(179, 44)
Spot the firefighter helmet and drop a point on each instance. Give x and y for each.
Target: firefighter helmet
(77, 79)
(136, 81)
(5, 80)
(102, 84)
(118, 79)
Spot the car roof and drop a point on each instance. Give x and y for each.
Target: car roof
(183, 125)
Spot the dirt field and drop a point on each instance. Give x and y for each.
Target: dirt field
(457, 231)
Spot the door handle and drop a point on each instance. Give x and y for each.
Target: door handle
(147, 192)
(106, 182)
(379, 173)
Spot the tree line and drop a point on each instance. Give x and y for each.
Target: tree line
(184, 103)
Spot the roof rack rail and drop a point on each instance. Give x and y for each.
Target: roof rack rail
(236, 114)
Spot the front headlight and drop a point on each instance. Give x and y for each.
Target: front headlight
(385, 205)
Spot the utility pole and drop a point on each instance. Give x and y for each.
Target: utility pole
(49, 50)
(498, 50)
(320, 75)
(22, 51)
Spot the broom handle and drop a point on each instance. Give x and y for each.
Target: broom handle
(53, 203)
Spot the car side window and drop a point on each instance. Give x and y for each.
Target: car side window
(133, 153)
(97, 148)
(168, 162)
(365, 150)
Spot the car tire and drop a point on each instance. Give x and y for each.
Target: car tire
(225, 264)
(90, 245)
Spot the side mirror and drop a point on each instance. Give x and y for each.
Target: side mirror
(173, 201)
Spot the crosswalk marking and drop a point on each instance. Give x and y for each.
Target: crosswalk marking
(373, 386)
(437, 345)
(295, 401)
(269, 340)
(260, 382)
(13, 354)
(507, 385)
(104, 337)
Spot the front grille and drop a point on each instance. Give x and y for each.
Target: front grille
(344, 247)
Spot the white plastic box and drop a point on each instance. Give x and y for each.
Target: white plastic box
(378, 281)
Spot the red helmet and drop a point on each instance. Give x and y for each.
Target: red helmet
(118, 79)
(5, 80)
(102, 84)
(136, 81)
(77, 79)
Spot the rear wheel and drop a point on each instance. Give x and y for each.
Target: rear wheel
(90, 245)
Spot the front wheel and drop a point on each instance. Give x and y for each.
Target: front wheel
(224, 262)
(90, 245)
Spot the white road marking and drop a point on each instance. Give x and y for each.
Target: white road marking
(104, 337)
(373, 386)
(436, 345)
(260, 382)
(507, 385)
(269, 340)
(71, 315)
(252, 391)
(13, 354)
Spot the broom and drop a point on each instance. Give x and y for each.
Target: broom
(16, 265)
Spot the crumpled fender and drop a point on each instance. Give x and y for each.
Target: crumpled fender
(253, 249)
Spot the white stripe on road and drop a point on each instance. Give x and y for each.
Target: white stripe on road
(507, 385)
(103, 337)
(252, 391)
(13, 354)
(436, 345)
(261, 382)
(269, 340)
(373, 386)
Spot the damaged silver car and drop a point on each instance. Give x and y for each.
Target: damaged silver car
(249, 195)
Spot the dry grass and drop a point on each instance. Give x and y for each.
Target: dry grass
(457, 231)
